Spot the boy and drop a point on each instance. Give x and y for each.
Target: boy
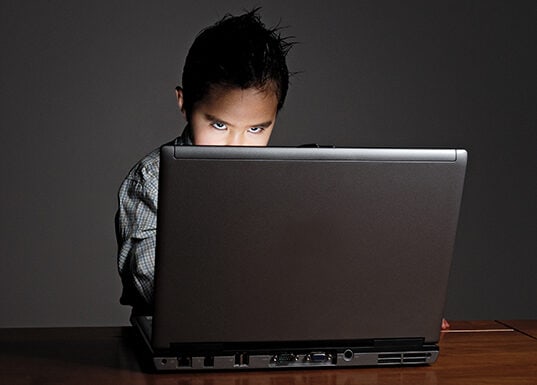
(235, 80)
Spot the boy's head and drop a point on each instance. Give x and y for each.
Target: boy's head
(235, 80)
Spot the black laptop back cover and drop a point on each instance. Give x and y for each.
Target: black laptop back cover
(281, 245)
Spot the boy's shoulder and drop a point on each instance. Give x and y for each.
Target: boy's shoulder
(146, 168)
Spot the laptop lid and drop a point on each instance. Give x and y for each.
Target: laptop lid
(285, 248)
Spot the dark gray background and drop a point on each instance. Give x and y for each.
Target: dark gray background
(87, 88)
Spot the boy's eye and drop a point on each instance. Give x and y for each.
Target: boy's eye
(256, 130)
(219, 125)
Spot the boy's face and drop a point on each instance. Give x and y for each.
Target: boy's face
(233, 116)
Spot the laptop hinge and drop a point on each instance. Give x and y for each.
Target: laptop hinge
(198, 348)
(399, 342)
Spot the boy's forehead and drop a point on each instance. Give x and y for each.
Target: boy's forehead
(217, 92)
(222, 97)
(236, 106)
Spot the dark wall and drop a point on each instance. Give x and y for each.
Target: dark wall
(87, 88)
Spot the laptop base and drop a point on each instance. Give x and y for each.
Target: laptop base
(347, 358)
(294, 358)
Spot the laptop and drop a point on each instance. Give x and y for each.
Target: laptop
(280, 257)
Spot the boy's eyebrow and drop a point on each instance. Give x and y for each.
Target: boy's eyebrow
(214, 118)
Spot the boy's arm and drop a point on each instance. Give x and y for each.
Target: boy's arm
(137, 219)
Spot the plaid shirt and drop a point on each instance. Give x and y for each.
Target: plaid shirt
(136, 229)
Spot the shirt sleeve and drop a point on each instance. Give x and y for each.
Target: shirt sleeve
(137, 224)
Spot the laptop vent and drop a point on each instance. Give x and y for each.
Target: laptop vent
(404, 358)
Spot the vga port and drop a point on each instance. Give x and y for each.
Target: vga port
(319, 358)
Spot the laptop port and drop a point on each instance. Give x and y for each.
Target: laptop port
(184, 362)
(284, 359)
(348, 355)
(319, 358)
(208, 362)
(241, 359)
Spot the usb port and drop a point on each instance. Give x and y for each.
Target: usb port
(241, 359)
(208, 362)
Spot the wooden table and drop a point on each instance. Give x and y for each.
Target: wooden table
(528, 327)
(477, 352)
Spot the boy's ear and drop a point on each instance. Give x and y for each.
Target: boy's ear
(180, 100)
